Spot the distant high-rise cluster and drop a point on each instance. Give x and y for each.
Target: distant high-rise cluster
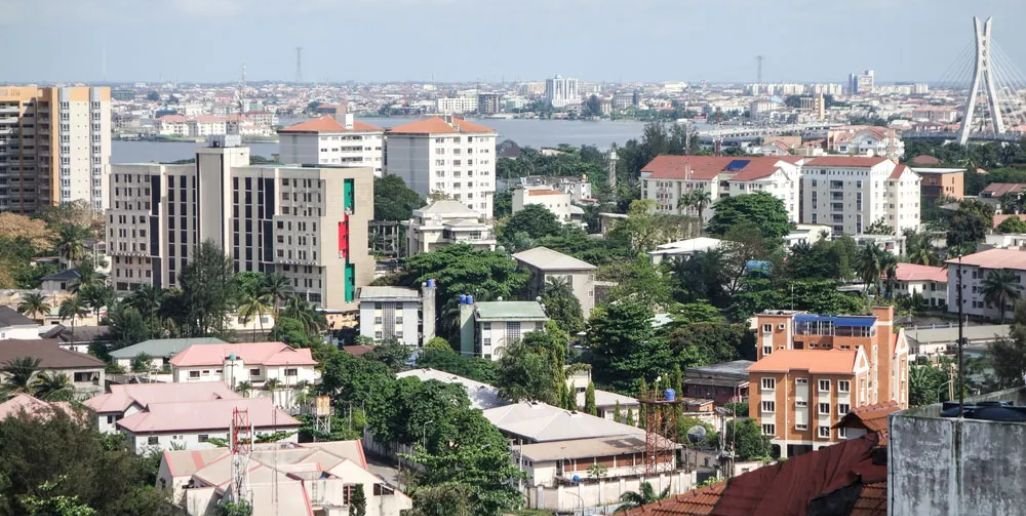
(861, 83)
(561, 92)
(56, 143)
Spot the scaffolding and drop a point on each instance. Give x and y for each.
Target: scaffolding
(661, 419)
(242, 446)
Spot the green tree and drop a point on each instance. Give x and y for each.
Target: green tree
(128, 327)
(52, 386)
(622, 344)
(1012, 225)
(393, 200)
(879, 227)
(34, 305)
(749, 443)
(919, 248)
(968, 226)
(561, 305)
(96, 296)
(234, 508)
(926, 384)
(71, 243)
(48, 504)
(532, 222)
(278, 288)
(873, 265)
(358, 503)
(446, 499)
(450, 361)
(71, 308)
(254, 307)
(589, 400)
(708, 343)
(698, 199)
(1001, 287)
(532, 369)
(644, 496)
(639, 280)
(208, 290)
(759, 209)
(19, 373)
(392, 353)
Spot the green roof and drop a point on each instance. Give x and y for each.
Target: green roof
(161, 347)
(513, 310)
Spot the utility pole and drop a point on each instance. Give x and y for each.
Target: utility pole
(961, 340)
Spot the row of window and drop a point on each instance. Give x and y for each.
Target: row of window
(824, 408)
(822, 431)
(770, 384)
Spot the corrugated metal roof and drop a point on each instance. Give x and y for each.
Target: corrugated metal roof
(162, 347)
(546, 259)
(520, 310)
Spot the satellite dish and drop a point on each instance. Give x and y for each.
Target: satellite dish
(696, 434)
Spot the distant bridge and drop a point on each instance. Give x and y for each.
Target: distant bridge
(955, 136)
(752, 132)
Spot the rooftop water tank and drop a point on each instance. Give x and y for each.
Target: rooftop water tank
(670, 395)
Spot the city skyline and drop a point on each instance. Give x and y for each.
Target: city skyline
(440, 40)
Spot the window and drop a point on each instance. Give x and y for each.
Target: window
(801, 404)
(843, 408)
(383, 490)
(347, 493)
(152, 440)
(842, 432)
(767, 349)
(843, 386)
(194, 374)
(801, 426)
(769, 429)
(769, 384)
(824, 431)
(824, 408)
(292, 372)
(203, 438)
(82, 377)
(768, 406)
(824, 385)
(801, 381)
(254, 372)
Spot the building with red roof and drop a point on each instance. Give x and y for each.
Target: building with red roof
(928, 281)
(975, 268)
(668, 179)
(252, 362)
(865, 140)
(850, 193)
(446, 156)
(814, 369)
(329, 141)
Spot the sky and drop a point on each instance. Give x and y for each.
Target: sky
(495, 40)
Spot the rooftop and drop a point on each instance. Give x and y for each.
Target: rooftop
(704, 168)
(873, 418)
(539, 422)
(690, 245)
(32, 406)
(65, 275)
(607, 399)
(446, 207)
(482, 395)
(328, 124)
(162, 347)
(265, 353)
(936, 170)
(515, 310)
(439, 125)
(994, 259)
(586, 448)
(916, 272)
(215, 414)
(815, 361)
(843, 321)
(949, 334)
(10, 317)
(845, 161)
(545, 259)
(49, 353)
(738, 368)
(372, 293)
(123, 396)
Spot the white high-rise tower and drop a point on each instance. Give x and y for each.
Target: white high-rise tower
(983, 72)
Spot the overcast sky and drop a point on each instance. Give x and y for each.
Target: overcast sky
(492, 40)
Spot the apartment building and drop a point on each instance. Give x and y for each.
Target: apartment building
(54, 146)
(941, 183)
(865, 140)
(445, 222)
(667, 179)
(308, 224)
(849, 193)
(327, 141)
(559, 203)
(445, 156)
(812, 369)
(405, 315)
(561, 92)
(487, 327)
(975, 268)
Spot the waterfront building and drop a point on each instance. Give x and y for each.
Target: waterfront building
(327, 141)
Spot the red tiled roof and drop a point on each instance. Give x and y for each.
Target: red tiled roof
(998, 219)
(1000, 189)
(916, 272)
(705, 168)
(816, 361)
(995, 259)
(925, 159)
(898, 171)
(846, 161)
(438, 125)
(873, 417)
(328, 124)
(788, 488)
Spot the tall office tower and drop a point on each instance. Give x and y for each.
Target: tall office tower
(54, 146)
(445, 156)
(308, 224)
(561, 92)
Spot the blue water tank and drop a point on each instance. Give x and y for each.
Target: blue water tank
(463, 299)
(670, 395)
(470, 300)
(431, 283)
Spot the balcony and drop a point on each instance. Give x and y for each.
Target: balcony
(9, 110)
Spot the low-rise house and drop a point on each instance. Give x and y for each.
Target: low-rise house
(941, 183)
(935, 341)
(535, 422)
(130, 399)
(606, 404)
(550, 464)
(61, 281)
(79, 338)
(807, 234)
(446, 222)
(33, 407)
(894, 244)
(397, 313)
(975, 268)
(85, 372)
(256, 363)
(159, 351)
(302, 479)
(929, 282)
(487, 327)
(544, 264)
(559, 203)
(191, 424)
(684, 248)
(14, 325)
(723, 383)
(482, 396)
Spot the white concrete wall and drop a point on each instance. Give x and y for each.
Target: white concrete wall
(191, 440)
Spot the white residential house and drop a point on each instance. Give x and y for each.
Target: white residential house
(129, 399)
(446, 156)
(850, 193)
(254, 362)
(975, 268)
(86, 372)
(397, 313)
(681, 249)
(327, 141)
(927, 281)
(285, 479)
(559, 203)
(14, 325)
(487, 327)
(865, 140)
(447, 222)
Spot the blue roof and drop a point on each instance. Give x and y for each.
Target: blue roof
(737, 164)
(844, 321)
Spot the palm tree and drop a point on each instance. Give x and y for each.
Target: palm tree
(52, 386)
(34, 305)
(71, 308)
(1000, 287)
(19, 372)
(244, 388)
(146, 299)
(299, 309)
(71, 243)
(644, 496)
(88, 276)
(254, 306)
(700, 199)
(919, 249)
(889, 264)
(272, 387)
(870, 265)
(278, 287)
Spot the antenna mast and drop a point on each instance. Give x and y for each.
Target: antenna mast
(241, 447)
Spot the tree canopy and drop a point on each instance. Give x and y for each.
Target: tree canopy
(393, 200)
(760, 209)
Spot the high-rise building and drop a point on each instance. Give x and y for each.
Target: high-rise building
(813, 369)
(327, 141)
(54, 146)
(861, 83)
(446, 157)
(849, 193)
(308, 224)
(561, 92)
(488, 103)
